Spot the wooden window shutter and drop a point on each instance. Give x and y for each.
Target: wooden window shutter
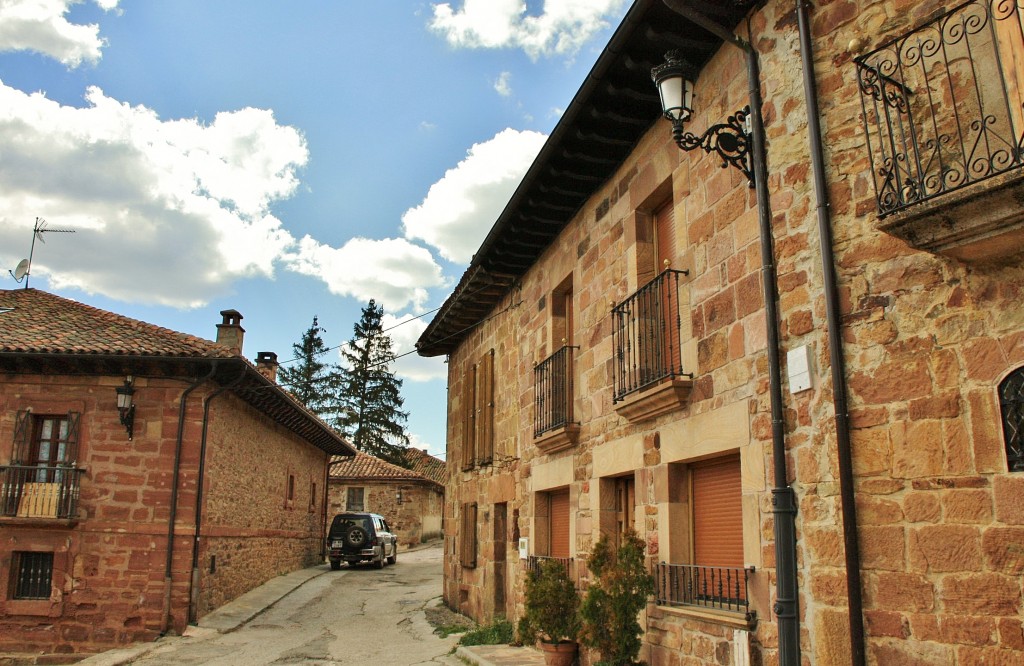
(485, 411)
(71, 452)
(717, 512)
(559, 523)
(467, 555)
(469, 418)
(22, 436)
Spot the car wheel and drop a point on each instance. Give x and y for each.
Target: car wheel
(379, 562)
(335, 565)
(356, 536)
(394, 554)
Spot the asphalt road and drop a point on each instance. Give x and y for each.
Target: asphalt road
(356, 615)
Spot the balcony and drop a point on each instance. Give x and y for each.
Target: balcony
(646, 339)
(712, 588)
(943, 111)
(553, 426)
(39, 492)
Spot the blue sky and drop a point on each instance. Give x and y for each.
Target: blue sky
(284, 159)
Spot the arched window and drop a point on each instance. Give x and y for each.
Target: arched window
(1011, 403)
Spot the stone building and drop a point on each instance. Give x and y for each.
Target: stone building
(149, 476)
(411, 500)
(800, 376)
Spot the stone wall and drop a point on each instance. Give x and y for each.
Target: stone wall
(109, 563)
(926, 341)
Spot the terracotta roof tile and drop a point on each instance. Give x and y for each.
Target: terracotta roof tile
(433, 468)
(33, 321)
(364, 466)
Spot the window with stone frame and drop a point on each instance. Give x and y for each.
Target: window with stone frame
(31, 575)
(355, 499)
(706, 560)
(478, 413)
(1011, 405)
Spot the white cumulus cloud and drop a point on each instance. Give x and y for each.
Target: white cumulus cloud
(393, 271)
(172, 212)
(460, 209)
(404, 331)
(561, 28)
(41, 26)
(502, 85)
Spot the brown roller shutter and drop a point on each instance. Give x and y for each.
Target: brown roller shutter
(664, 235)
(559, 521)
(717, 512)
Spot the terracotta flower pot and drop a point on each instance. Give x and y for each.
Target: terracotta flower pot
(559, 654)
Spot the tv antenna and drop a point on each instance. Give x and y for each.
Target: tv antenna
(24, 268)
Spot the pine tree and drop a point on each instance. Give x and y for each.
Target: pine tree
(371, 415)
(312, 380)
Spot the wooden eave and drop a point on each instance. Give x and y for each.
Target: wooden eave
(612, 110)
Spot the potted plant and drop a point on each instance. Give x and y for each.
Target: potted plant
(552, 613)
(615, 598)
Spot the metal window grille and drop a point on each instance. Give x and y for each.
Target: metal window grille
(646, 336)
(33, 575)
(1011, 404)
(721, 588)
(553, 392)
(943, 105)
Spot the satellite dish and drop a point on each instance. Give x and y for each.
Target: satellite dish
(21, 271)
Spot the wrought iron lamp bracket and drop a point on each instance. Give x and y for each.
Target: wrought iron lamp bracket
(730, 140)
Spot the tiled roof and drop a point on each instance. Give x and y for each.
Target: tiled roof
(434, 469)
(364, 466)
(33, 321)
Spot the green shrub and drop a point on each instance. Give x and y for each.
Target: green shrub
(552, 606)
(614, 599)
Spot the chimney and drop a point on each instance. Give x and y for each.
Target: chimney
(266, 363)
(230, 331)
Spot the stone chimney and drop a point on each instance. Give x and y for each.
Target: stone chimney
(266, 363)
(230, 332)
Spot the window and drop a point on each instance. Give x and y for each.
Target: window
(625, 503)
(709, 572)
(291, 488)
(41, 481)
(354, 500)
(553, 377)
(312, 495)
(1011, 404)
(467, 550)
(32, 575)
(478, 413)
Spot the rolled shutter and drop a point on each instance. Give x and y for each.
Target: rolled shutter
(717, 512)
(559, 523)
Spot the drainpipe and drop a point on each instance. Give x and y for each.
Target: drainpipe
(193, 589)
(835, 344)
(783, 497)
(166, 621)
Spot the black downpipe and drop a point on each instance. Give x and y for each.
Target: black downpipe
(193, 589)
(784, 505)
(168, 567)
(835, 345)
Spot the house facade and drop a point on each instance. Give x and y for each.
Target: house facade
(411, 500)
(149, 476)
(799, 377)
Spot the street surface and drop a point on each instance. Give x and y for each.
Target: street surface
(357, 615)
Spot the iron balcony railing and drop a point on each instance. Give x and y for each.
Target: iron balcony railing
(534, 562)
(943, 105)
(553, 392)
(721, 588)
(39, 491)
(646, 335)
